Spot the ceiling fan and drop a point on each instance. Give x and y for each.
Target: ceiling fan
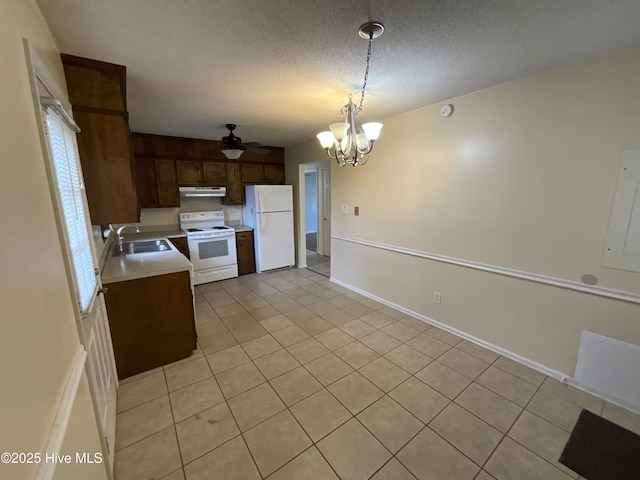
(234, 146)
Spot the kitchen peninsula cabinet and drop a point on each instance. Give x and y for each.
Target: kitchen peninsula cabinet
(152, 321)
(181, 244)
(97, 91)
(245, 252)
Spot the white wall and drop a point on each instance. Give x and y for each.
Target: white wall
(521, 176)
(38, 335)
(170, 217)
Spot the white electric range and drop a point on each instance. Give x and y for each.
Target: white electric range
(212, 246)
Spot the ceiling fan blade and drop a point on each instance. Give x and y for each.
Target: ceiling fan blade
(252, 145)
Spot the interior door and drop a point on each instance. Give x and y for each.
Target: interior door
(102, 368)
(326, 212)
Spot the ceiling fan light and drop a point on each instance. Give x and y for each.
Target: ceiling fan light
(372, 130)
(232, 153)
(326, 139)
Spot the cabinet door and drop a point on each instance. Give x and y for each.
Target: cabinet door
(244, 248)
(152, 322)
(107, 167)
(189, 172)
(181, 244)
(252, 173)
(234, 185)
(168, 195)
(146, 189)
(215, 173)
(274, 173)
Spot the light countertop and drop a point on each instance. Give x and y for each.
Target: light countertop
(142, 265)
(130, 235)
(241, 228)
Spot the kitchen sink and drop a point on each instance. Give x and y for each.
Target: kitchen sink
(142, 246)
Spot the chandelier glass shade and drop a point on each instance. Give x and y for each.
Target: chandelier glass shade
(347, 142)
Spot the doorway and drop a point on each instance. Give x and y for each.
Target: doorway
(315, 208)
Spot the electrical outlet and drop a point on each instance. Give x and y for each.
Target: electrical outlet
(356, 211)
(345, 209)
(437, 297)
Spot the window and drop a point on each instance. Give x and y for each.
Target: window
(60, 130)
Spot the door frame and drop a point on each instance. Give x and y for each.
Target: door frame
(316, 166)
(39, 74)
(322, 213)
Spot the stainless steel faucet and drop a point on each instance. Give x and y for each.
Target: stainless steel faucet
(121, 238)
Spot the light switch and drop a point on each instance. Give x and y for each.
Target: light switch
(356, 211)
(345, 209)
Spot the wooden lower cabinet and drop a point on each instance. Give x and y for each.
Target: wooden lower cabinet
(152, 321)
(246, 254)
(181, 244)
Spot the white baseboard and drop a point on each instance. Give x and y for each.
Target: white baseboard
(494, 348)
(550, 372)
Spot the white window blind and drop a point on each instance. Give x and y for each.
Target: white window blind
(62, 142)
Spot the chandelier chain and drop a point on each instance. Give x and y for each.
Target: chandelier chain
(366, 73)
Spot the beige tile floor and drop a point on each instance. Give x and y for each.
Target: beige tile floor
(298, 378)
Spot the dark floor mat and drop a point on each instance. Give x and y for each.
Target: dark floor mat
(601, 450)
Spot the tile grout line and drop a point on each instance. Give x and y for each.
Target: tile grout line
(288, 408)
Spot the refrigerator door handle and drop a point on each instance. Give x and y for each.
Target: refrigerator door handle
(260, 213)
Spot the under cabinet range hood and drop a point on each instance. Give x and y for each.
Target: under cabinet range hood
(203, 191)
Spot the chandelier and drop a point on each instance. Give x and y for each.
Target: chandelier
(346, 142)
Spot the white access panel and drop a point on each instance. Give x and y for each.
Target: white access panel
(273, 198)
(610, 367)
(622, 248)
(274, 240)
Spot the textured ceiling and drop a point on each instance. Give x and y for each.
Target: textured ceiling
(280, 69)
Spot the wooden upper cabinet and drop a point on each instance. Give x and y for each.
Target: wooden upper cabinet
(234, 185)
(156, 183)
(197, 173)
(167, 183)
(214, 173)
(97, 91)
(252, 173)
(274, 173)
(146, 183)
(189, 172)
(94, 84)
(199, 162)
(105, 155)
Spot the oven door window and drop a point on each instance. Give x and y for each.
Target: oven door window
(213, 249)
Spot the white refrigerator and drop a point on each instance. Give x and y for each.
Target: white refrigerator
(269, 211)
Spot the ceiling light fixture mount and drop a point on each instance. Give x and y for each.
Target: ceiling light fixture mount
(346, 142)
